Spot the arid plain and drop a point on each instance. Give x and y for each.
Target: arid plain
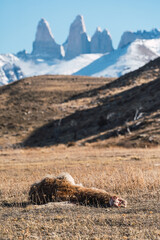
(104, 132)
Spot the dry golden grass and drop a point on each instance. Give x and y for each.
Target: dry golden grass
(51, 110)
(134, 174)
(33, 102)
(96, 114)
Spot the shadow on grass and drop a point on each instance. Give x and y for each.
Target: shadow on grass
(106, 118)
(125, 80)
(15, 204)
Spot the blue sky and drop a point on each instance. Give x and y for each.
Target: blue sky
(19, 19)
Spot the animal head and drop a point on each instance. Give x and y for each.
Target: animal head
(117, 202)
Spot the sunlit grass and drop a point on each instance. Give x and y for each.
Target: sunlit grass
(133, 174)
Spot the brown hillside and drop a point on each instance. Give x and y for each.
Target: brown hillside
(30, 103)
(48, 110)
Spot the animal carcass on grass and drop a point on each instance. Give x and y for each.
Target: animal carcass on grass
(63, 188)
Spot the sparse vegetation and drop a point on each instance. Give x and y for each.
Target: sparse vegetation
(133, 174)
(54, 124)
(55, 110)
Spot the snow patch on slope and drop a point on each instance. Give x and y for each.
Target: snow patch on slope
(62, 67)
(122, 60)
(153, 45)
(114, 64)
(9, 69)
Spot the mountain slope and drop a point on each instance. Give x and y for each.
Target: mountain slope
(9, 69)
(30, 103)
(122, 60)
(114, 64)
(48, 110)
(59, 67)
(33, 68)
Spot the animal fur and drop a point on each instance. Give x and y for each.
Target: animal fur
(63, 188)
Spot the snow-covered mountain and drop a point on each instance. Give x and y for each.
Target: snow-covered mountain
(122, 60)
(128, 36)
(78, 42)
(60, 67)
(113, 64)
(80, 55)
(9, 69)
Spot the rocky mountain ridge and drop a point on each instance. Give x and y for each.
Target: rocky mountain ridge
(113, 64)
(78, 42)
(44, 45)
(80, 55)
(129, 37)
(101, 41)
